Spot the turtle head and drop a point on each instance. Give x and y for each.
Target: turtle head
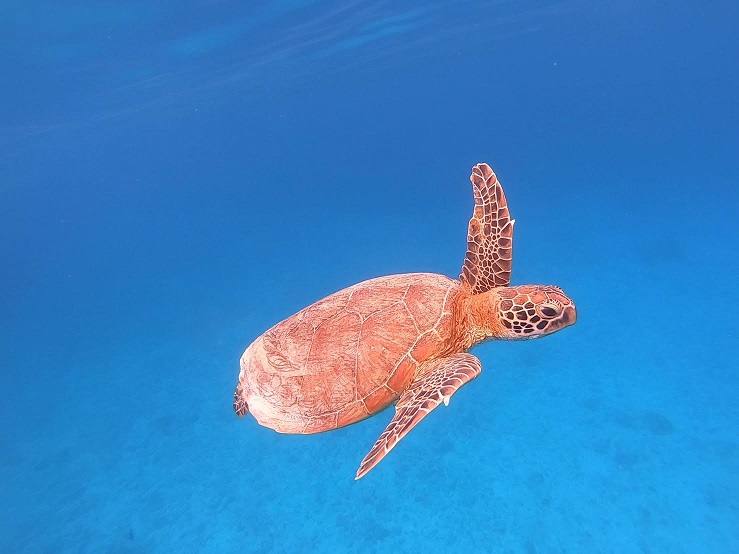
(531, 311)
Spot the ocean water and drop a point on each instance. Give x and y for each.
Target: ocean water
(176, 177)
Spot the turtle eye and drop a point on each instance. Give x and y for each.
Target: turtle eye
(550, 309)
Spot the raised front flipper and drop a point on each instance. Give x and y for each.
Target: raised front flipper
(490, 235)
(437, 381)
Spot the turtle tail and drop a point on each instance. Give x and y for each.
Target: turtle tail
(240, 406)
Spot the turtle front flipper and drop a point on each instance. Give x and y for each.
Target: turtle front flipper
(490, 235)
(436, 382)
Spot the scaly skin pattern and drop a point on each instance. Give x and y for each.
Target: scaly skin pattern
(516, 313)
(487, 263)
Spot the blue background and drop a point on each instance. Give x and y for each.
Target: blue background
(176, 177)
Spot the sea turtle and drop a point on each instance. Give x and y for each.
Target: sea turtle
(398, 337)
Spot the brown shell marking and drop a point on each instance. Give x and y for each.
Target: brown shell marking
(488, 261)
(349, 355)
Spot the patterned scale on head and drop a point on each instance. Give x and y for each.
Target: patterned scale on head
(531, 311)
(399, 339)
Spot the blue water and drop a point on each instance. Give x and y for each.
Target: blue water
(176, 177)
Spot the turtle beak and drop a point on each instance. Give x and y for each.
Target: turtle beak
(569, 317)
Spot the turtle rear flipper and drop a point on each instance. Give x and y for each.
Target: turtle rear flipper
(240, 406)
